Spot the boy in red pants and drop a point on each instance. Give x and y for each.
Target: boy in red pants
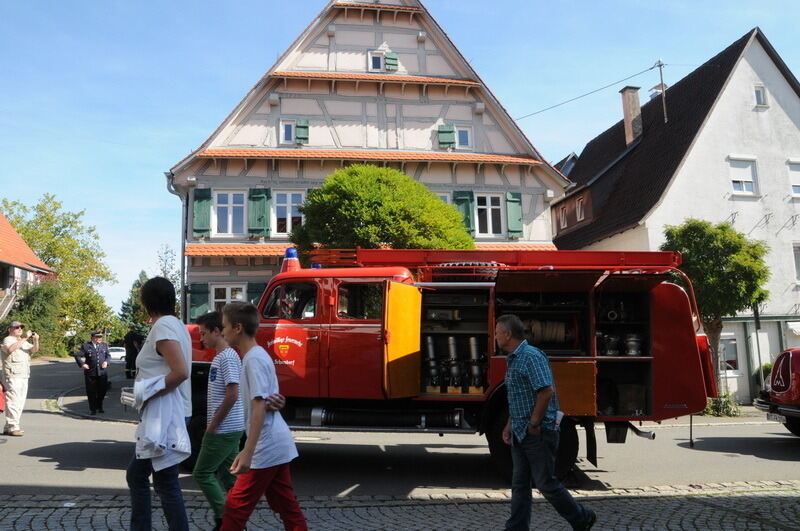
(263, 465)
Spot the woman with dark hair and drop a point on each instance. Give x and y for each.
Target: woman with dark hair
(163, 396)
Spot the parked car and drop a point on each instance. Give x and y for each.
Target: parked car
(781, 399)
(117, 353)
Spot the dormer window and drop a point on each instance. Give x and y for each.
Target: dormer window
(562, 217)
(376, 61)
(761, 96)
(580, 213)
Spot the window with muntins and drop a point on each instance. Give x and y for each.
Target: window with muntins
(744, 176)
(794, 177)
(286, 206)
(223, 294)
(229, 212)
(489, 214)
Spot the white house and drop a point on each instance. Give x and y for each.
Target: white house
(365, 82)
(729, 150)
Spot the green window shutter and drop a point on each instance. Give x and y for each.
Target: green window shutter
(254, 291)
(201, 208)
(258, 215)
(464, 202)
(391, 61)
(514, 214)
(301, 131)
(447, 136)
(198, 300)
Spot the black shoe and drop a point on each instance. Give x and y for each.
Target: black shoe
(102, 410)
(93, 412)
(590, 520)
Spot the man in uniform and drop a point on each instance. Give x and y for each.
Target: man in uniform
(532, 431)
(93, 358)
(16, 353)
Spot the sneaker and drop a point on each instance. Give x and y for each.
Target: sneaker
(16, 433)
(93, 412)
(101, 410)
(590, 520)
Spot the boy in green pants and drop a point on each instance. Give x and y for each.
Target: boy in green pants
(225, 416)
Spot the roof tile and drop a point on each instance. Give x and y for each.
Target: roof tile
(369, 155)
(236, 249)
(14, 250)
(382, 7)
(386, 78)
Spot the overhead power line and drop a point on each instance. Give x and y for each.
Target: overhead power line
(658, 63)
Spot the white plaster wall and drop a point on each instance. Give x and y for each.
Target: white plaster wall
(438, 66)
(300, 106)
(703, 189)
(636, 239)
(399, 40)
(313, 59)
(253, 133)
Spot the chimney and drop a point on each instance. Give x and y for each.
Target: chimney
(632, 113)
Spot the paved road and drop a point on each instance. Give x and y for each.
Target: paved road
(743, 473)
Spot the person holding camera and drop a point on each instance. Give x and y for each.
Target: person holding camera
(16, 354)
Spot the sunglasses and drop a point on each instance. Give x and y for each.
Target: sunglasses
(18, 326)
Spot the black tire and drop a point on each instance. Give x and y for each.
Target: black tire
(466, 272)
(793, 425)
(500, 451)
(568, 445)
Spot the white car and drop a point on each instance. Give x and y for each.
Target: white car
(117, 353)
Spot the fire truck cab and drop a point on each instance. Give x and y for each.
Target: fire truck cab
(403, 341)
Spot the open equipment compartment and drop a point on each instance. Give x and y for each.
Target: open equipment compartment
(455, 340)
(623, 339)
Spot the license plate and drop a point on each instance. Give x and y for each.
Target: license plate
(776, 418)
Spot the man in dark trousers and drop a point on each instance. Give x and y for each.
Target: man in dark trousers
(532, 430)
(133, 344)
(93, 358)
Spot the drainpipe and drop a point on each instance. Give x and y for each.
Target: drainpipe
(184, 223)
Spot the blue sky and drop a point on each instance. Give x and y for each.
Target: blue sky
(98, 99)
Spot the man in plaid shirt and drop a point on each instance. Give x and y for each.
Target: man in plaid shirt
(532, 431)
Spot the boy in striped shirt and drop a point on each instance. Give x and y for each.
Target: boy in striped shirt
(225, 416)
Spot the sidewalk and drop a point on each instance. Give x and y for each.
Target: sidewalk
(741, 505)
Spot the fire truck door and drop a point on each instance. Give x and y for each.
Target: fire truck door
(291, 332)
(401, 338)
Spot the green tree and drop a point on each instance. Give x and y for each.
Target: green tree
(72, 249)
(727, 270)
(37, 308)
(132, 312)
(368, 206)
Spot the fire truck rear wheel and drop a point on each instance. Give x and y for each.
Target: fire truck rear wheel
(793, 425)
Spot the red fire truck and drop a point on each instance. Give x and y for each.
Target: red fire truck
(402, 341)
(781, 399)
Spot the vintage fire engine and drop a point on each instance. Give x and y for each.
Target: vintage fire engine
(402, 340)
(781, 398)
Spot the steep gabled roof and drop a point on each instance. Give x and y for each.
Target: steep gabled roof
(14, 250)
(637, 176)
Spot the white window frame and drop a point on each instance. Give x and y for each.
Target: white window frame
(748, 159)
(214, 206)
(376, 53)
(489, 208)
(562, 217)
(446, 197)
(793, 167)
(212, 299)
(580, 209)
(725, 371)
(468, 130)
(796, 256)
(283, 125)
(761, 89)
(274, 212)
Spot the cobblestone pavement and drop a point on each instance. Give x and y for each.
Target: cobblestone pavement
(740, 505)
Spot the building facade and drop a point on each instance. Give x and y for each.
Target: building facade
(372, 82)
(19, 266)
(729, 151)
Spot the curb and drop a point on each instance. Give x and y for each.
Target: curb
(76, 414)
